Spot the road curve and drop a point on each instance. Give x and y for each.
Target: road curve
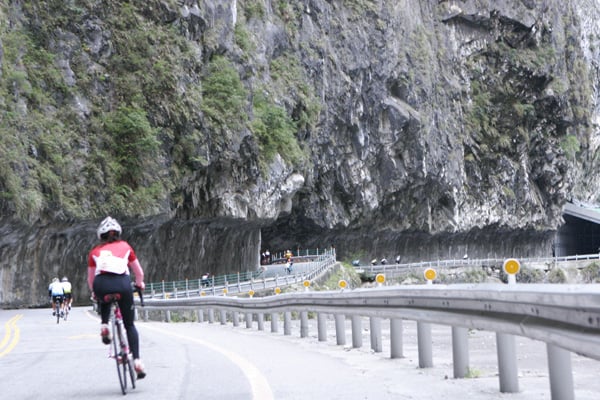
(213, 361)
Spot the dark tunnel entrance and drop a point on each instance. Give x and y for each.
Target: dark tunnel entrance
(580, 234)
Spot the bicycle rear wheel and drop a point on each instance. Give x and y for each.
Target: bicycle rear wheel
(57, 309)
(119, 357)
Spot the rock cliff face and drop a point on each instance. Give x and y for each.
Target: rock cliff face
(213, 129)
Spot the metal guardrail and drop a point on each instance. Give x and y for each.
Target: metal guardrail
(565, 317)
(536, 262)
(320, 260)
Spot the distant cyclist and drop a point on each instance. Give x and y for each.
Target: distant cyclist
(55, 291)
(67, 289)
(108, 272)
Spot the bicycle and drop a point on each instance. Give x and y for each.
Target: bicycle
(58, 308)
(120, 347)
(65, 311)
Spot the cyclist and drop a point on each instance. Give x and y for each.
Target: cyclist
(55, 291)
(67, 289)
(108, 272)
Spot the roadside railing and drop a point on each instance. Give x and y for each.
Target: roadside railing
(242, 282)
(565, 317)
(535, 262)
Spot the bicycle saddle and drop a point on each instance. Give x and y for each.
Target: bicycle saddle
(109, 298)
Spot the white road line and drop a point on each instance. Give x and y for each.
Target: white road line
(259, 384)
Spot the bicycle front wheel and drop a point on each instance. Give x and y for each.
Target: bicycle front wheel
(120, 358)
(131, 368)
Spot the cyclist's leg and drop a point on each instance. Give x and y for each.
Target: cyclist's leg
(104, 284)
(126, 305)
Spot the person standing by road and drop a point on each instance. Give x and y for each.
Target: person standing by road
(109, 265)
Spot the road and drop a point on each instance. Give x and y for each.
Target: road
(39, 359)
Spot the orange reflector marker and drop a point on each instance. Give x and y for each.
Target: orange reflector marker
(511, 266)
(306, 283)
(380, 278)
(203, 293)
(342, 284)
(250, 292)
(224, 290)
(430, 274)
(277, 290)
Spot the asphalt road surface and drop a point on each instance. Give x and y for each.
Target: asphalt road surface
(40, 359)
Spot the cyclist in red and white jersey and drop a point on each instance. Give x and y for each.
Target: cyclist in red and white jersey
(109, 265)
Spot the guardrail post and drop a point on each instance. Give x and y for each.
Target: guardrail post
(223, 315)
(235, 316)
(460, 351)
(168, 316)
(248, 320)
(560, 373)
(261, 321)
(375, 325)
(507, 363)
(340, 329)
(145, 315)
(424, 344)
(356, 331)
(287, 323)
(274, 322)
(200, 314)
(211, 316)
(303, 324)
(396, 348)
(322, 326)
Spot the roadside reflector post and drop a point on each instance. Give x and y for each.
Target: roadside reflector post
(511, 268)
(430, 274)
(506, 348)
(306, 285)
(424, 330)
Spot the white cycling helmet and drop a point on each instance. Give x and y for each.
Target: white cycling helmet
(107, 225)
